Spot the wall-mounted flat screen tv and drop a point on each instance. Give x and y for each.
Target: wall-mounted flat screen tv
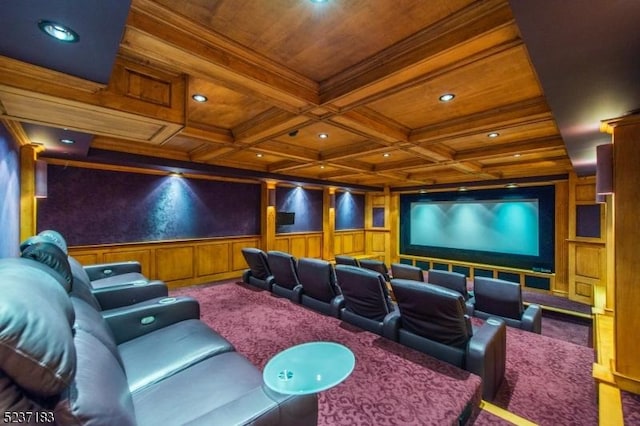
(285, 218)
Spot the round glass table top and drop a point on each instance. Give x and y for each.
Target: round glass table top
(309, 368)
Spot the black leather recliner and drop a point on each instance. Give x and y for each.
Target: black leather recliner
(377, 266)
(62, 358)
(501, 298)
(432, 320)
(320, 291)
(103, 275)
(367, 302)
(406, 272)
(453, 281)
(259, 272)
(109, 296)
(346, 260)
(284, 268)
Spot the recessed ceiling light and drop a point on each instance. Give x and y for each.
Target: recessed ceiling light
(199, 98)
(517, 155)
(321, 166)
(447, 97)
(386, 154)
(58, 31)
(493, 135)
(175, 174)
(423, 191)
(259, 155)
(323, 135)
(462, 188)
(68, 141)
(511, 185)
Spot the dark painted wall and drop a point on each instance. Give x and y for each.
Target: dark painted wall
(349, 211)
(100, 207)
(305, 203)
(9, 195)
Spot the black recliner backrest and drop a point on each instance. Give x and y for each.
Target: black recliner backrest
(498, 297)
(284, 269)
(257, 261)
(451, 280)
(318, 279)
(406, 272)
(346, 260)
(375, 265)
(434, 312)
(365, 292)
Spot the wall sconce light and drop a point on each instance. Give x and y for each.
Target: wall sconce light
(271, 197)
(604, 169)
(41, 179)
(332, 201)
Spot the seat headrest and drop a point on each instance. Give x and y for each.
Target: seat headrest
(36, 340)
(56, 238)
(47, 253)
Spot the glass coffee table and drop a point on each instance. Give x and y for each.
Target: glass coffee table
(309, 368)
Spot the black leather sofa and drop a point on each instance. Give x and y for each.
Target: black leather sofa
(63, 358)
(284, 268)
(453, 281)
(432, 320)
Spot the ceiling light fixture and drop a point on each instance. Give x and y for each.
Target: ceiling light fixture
(321, 166)
(58, 31)
(67, 141)
(511, 185)
(517, 155)
(199, 98)
(323, 135)
(493, 135)
(447, 97)
(259, 155)
(386, 154)
(462, 188)
(319, 1)
(175, 174)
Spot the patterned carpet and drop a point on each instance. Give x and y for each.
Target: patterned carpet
(548, 381)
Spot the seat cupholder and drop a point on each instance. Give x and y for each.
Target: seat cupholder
(139, 282)
(167, 300)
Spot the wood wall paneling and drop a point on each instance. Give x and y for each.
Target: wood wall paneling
(176, 263)
(142, 256)
(212, 259)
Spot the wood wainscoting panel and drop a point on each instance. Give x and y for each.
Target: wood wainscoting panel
(349, 242)
(299, 246)
(175, 263)
(142, 256)
(212, 259)
(588, 261)
(314, 246)
(282, 244)
(237, 259)
(85, 259)
(378, 242)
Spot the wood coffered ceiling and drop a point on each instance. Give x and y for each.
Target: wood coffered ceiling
(278, 73)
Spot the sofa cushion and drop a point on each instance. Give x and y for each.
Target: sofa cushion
(92, 322)
(47, 253)
(157, 355)
(99, 394)
(223, 390)
(34, 308)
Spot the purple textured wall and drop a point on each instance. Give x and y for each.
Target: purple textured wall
(305, 203)
(349, 211)
(9, 195)
(99, 207)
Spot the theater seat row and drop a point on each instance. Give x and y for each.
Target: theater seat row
(429, 318)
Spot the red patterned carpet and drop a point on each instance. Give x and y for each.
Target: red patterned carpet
(548, 381)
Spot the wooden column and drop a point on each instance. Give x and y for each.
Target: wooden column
(626, 201)
(328, 223)
(268, 218)
(28, 205)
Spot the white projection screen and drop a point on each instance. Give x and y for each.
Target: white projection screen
(500, 226)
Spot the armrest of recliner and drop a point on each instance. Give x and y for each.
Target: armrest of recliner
(487, 354)
(106, 270)
(337, 303)
(391, 324)
(470, 306)
(133, 321)
(532, 319)
(128, 294)
(297, 294)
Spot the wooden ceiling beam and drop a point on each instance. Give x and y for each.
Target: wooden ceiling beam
(509, 149)
(409, 58)
(353, 150)
(156, 33)
(527, 112)
(268, 125)
(372, 125)
(210, 134)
